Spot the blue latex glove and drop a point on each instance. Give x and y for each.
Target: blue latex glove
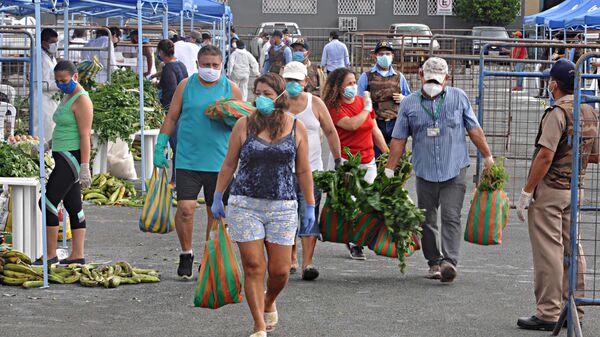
(160, 160)
(308, 222)
(217, 208)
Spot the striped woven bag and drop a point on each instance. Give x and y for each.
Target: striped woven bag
(488, 216)
(220, 279)
(157, 213)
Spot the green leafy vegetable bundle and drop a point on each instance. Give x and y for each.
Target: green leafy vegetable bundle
(342, 186)
(16, 163)
(495, 178)
(117, 107)
(388, 197)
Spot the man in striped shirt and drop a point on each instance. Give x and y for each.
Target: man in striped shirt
(436, 117)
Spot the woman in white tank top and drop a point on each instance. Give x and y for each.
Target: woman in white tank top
(314, 114)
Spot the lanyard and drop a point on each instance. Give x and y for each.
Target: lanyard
(436, 113)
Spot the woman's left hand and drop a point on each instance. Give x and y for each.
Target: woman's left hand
(85, 177)
(308, 221)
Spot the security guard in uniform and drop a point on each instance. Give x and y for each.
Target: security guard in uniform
(549, 186)
(387, 86)
(300, 53)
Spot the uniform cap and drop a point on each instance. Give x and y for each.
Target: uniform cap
(384, 44)
(300, 42)
(563, 70)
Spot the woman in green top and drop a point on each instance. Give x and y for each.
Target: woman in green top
(71, 153)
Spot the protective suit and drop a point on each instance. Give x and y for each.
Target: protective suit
(49, 89)
(241, 65)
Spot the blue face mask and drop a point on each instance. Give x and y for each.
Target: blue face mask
(67, 88)
(350, 91)
(294, 88)
(384, 61)
(298, 56)
(265, 106)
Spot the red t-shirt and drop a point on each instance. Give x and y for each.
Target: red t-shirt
(359, 140)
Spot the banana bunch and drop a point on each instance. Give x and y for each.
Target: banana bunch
(109, 190)
(16, 269)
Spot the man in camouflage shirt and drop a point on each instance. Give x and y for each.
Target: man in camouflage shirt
(549, 185)
(300, 53)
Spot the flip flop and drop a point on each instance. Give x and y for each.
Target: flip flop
(293, 270)
(271, 319)
(310, 273)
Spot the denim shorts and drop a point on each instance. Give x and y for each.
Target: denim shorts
(315, 231)
(251, 219)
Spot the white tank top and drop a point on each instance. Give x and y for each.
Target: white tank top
(313, 129)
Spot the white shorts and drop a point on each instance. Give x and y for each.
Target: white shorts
(251, 219)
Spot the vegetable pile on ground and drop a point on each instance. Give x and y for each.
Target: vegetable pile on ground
(16, 163)
(350, 196)
(109, 190)
(16, 270)
(117, 107)
(495, 178)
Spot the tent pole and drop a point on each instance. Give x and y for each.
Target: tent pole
(165, 23)
(40, 116)
(141, 84)
(66, 44)
(181, 24)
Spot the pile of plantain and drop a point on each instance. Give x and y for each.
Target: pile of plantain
(109, 190)
(16, 269)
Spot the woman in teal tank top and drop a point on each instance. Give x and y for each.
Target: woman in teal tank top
(71, 152)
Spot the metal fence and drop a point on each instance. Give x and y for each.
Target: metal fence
(584, 216)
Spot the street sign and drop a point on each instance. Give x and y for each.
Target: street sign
(444, 7)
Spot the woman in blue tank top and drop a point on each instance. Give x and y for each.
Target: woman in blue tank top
(270, 146)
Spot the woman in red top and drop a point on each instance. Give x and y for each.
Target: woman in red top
(354, 121)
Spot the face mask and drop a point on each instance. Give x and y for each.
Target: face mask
(209, 74)
(550, 93)
(350, 91)
(234, 45)
(384, 61)
(53, 48)
(158, 56)
(265, 105)
(67, 88)
(294, 88)
(298, 56)
(433, 89)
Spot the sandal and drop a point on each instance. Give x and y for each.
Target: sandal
(259, 334)
(310, 273)
(271, 319)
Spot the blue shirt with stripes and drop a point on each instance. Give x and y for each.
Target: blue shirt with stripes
(439, 158)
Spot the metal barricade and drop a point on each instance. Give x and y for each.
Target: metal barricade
(584, 216)
(510, 111)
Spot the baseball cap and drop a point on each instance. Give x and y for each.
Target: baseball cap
(300, 41)
(277, 33)
(563, 70)
(383, 44)
(194, 34)
(295, 70)
(435, 68)
(517, 33)
(206, 36)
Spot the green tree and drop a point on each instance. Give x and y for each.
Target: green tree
(488, 12)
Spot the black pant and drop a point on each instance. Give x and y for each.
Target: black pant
(63, 185)
(387, 128)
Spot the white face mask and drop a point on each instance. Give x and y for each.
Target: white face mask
(209, 74)
(53, 48)
(432, 89)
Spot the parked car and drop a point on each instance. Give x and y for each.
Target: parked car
(489, 32)
(418, 35)
(270, 27)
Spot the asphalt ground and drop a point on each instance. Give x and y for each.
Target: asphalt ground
(350, 298)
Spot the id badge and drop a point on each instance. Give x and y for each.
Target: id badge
(433, 132)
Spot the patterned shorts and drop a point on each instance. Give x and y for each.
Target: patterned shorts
(251, 219)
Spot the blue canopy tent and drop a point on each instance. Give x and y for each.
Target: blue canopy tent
(559, 21)
(538, 19)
